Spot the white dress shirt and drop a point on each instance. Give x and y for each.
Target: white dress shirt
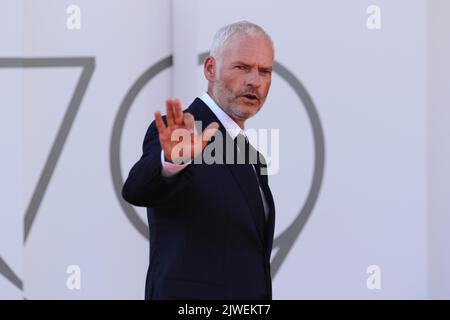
(170, 169)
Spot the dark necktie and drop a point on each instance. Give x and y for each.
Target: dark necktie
(248, 155)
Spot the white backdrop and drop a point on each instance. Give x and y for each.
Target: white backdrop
(12, 208)
(439, 149)
(369, 89)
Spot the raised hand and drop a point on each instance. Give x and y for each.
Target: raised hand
(181, 150)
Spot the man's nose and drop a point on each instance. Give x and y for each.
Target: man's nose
(253, 79)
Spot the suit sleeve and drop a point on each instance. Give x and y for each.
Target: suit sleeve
(145, 185)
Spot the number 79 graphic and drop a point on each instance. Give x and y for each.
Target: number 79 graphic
(88, 65)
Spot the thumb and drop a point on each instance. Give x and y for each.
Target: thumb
(209, 132)
(189, 121)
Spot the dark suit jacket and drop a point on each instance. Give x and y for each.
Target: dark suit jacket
(208, 235)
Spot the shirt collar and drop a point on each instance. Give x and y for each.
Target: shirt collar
(229, 124)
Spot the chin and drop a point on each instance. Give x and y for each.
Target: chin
(249, 111)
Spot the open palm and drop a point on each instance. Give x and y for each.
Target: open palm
(176, 149)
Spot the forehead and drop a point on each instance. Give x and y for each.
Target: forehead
(248, 49)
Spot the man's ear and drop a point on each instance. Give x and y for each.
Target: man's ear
(209, 68)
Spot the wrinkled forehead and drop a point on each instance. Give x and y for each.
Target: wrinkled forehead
(248, 48)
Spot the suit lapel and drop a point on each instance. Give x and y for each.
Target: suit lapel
(242, 173)
(246, 179)
(269, 198)
(271, 219)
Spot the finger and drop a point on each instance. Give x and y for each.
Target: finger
(159, 123)
(178, 113)
(189, 122)
(209, 132)
(169, 111)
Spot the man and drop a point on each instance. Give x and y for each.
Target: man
(211, 225)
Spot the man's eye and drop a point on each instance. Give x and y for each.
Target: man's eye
(241, 67)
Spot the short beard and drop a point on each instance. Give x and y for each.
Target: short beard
(231, 106)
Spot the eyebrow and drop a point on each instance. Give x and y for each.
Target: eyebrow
(248, 65)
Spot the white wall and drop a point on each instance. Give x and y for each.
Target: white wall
(11, 173)
(80, 221)
(439, 149)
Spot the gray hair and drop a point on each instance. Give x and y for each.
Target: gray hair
(225, 33)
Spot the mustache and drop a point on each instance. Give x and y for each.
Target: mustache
(249, 91)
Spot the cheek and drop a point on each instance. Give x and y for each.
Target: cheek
(234, 81)
(267, 86)
(232, 86)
